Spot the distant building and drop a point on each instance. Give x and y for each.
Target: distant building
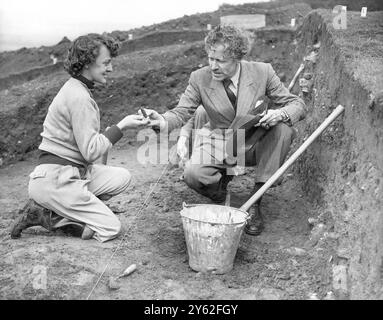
(245, 21)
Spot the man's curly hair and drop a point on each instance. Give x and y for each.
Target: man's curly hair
(85, 49)
(235, 41)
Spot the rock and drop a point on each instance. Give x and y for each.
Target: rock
(145, 262)
(343, 253)
(284, 276)
(305, 85)
(312, 57)
(313, 296)
(317, 231)
(271, 266)
(116, 208)
(83, 278)
(307, 75)
(1, 162)
(270, 294)
(333, 235)
(329, 296)
(294, 262)
(168, 276)
(378, 100)
(296, 251)
(312, 222)
(113, 283)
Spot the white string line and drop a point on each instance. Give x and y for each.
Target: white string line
(126, 232)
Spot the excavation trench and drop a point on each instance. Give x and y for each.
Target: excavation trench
(320, 241)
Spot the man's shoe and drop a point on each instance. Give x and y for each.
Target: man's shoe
(32, 215)
(255, 225)
(225, 181)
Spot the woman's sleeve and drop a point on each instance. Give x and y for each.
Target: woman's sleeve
(86, 126)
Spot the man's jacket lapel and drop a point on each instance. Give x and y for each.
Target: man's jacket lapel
(220, 100)
(247, 90)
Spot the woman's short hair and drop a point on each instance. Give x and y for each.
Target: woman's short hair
(85, 49)
(235, 41)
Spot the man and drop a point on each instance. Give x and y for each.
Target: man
(66, 188)
(228, 89)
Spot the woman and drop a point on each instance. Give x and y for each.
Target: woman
(66, 187)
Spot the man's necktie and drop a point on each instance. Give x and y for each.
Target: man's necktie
(230, 94)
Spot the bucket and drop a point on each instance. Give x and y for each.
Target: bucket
(212, 234)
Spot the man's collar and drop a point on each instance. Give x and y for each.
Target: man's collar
(87, 82)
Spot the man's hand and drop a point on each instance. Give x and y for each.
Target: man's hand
(133, 121)
(270, 119)
(155, 119)
(183, 148)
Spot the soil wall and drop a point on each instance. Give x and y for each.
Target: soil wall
(161, 38)
(19, 78)
(151, 40)
(342, 170)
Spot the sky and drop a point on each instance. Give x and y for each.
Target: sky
(32, 23)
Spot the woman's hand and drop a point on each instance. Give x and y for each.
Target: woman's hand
(133, 121)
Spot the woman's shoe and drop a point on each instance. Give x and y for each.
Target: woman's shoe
(32, 214)
(87, 233)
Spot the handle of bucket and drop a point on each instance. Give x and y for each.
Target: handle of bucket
(338, 110)
(188, 205)
(185, 205)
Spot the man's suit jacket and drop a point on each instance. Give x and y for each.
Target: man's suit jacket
(256, 80)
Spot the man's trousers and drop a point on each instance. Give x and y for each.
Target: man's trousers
(267, 155)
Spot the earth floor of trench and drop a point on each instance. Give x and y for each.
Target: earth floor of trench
(52, 265)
